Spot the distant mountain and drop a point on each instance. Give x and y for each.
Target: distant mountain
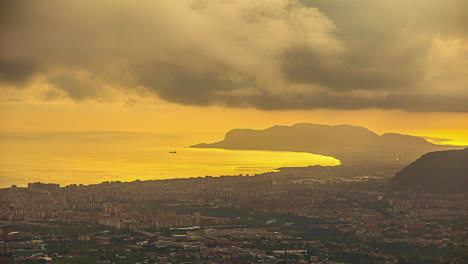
(441, 171)
(345, 142)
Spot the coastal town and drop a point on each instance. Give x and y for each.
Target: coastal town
(268, 218)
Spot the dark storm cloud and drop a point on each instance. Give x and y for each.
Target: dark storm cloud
(413, 103)
(16, 72)
(8, 8)
(273, 55)
(190, 86)
(366, 69)
(384, 53)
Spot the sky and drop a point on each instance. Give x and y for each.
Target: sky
(188, 71)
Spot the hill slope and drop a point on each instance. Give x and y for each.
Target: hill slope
(441, 171)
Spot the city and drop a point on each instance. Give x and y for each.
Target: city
(266, 218)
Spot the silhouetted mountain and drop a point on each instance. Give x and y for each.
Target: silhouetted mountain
(345, 142)
(441, 171)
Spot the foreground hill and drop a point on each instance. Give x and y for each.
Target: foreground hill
(441, 171)
(345, 142)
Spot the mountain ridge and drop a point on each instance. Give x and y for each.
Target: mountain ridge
(345, 142)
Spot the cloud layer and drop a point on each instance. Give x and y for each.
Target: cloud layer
(276, 54)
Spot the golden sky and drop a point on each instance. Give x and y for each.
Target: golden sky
(191, 70)
(180, 125)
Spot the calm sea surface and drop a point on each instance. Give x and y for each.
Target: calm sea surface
(84, 162)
